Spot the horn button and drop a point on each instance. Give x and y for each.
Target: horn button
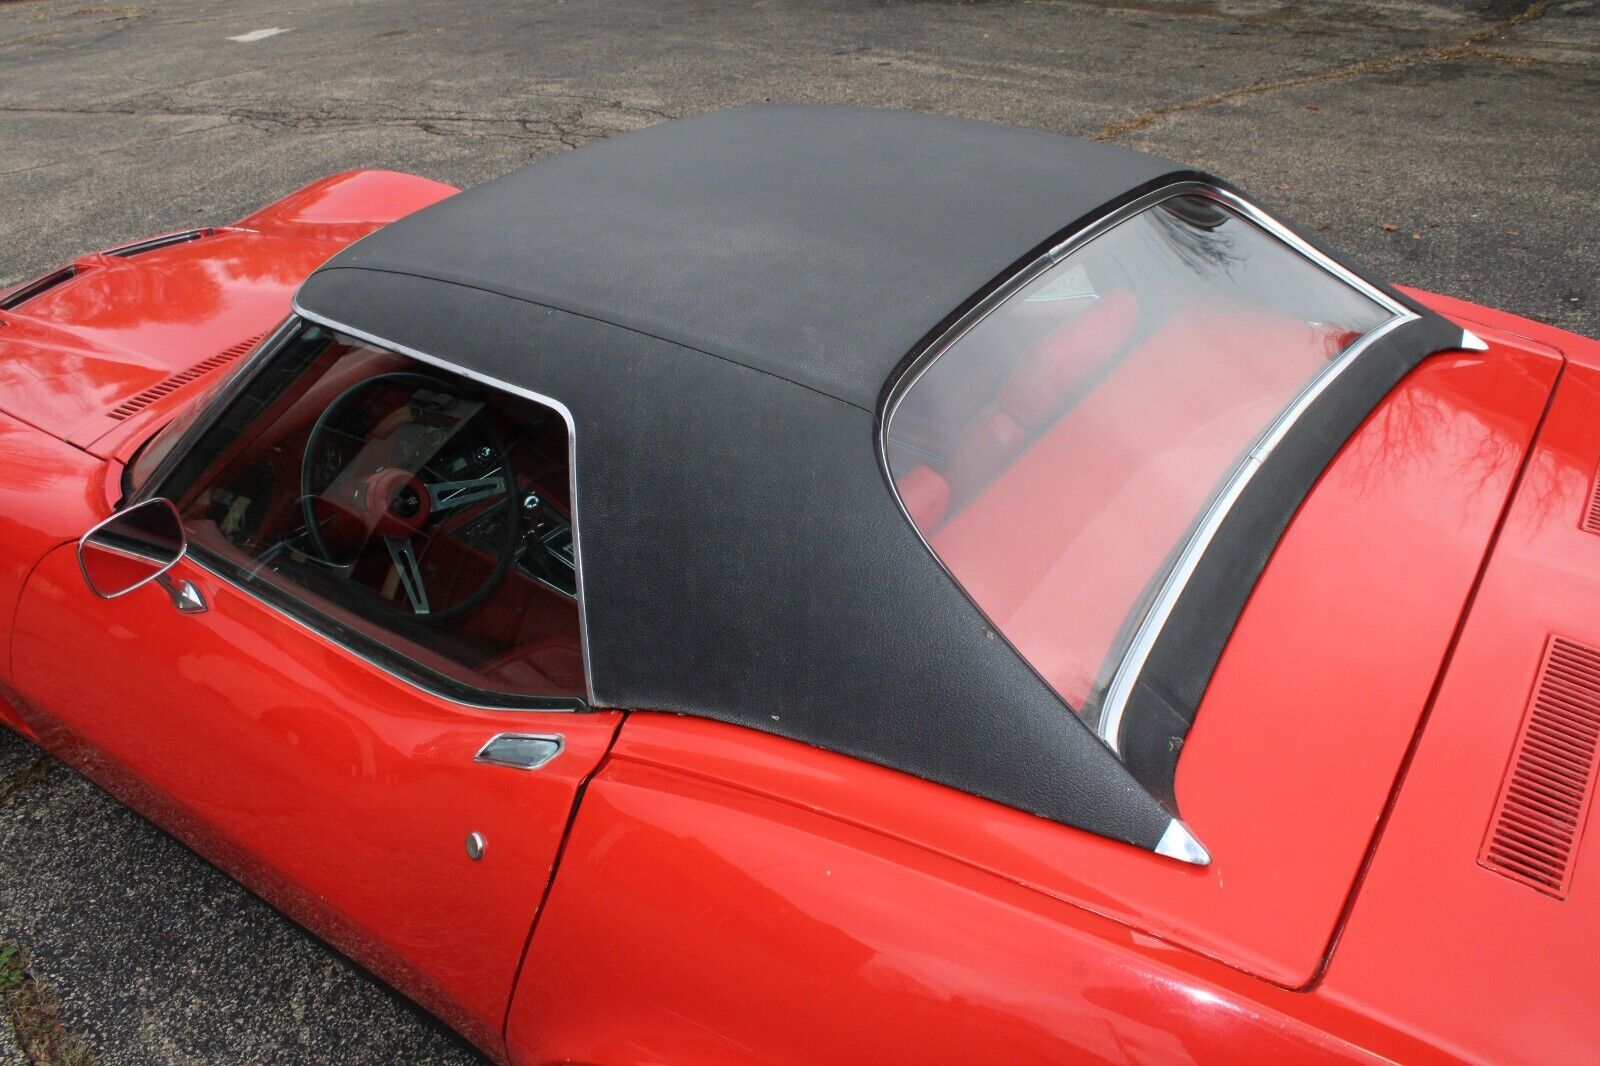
(397, 503)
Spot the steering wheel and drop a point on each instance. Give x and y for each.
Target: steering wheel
(392, 456)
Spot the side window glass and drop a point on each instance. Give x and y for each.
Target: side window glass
(420, 516)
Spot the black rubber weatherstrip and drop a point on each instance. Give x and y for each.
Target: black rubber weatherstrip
(1168, 690)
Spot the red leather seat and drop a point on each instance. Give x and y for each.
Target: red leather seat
(1059, 548)
(925, 495)
(1047, 381)
(1067, 360)
(548, 666)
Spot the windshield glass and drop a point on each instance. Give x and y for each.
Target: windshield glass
(159, 446)
(1058, 455)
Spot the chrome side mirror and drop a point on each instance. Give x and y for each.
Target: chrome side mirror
(132, 548)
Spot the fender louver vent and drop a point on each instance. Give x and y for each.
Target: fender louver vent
(1534, 835)
(1591, 517)
(131, 407)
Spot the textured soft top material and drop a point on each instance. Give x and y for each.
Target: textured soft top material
(720, 303)
(819, 244)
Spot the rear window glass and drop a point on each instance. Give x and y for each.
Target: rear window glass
(1058, 455)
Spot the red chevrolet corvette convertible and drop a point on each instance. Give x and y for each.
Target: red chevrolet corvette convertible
(830, 585)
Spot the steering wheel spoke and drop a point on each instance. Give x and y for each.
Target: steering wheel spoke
(404, 554)
(372, 470)
(444, 495)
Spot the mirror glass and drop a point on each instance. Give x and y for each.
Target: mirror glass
(131, 548)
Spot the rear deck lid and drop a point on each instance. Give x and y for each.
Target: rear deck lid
(1484, 890)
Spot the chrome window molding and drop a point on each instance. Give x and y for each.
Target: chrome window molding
(1120, 688)
(515, 390)
(219, 404)
(1115, 705)
(418, 682)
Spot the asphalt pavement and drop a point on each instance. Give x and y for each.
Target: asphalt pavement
(1449, 145)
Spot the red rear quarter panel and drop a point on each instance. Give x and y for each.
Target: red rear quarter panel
(1441, 945)
(726, 894)
(704, 920)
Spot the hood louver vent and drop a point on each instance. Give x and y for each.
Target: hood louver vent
(1591, 517)
(1534, 836)
(128, 251)
(38, 286)
(131, 407)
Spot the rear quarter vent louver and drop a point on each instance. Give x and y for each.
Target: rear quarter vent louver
(1591, 514)
(130, 407)
(1533, 838)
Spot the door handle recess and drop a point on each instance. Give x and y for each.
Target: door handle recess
(522, 751)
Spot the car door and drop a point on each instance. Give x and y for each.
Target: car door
(310, 729)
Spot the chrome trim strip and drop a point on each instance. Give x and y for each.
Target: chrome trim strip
(527, 394)
(1114, 706)
(417, 684)
(1471, 342)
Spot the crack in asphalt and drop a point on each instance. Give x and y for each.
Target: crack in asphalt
(569, 133)
(127, 15)
(114, 149)
(1455, 49)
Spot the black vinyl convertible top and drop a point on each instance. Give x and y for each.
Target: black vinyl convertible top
(817, 244)
(721, 303)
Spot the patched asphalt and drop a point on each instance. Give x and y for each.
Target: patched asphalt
(1448, 145)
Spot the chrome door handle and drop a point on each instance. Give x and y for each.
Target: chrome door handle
(523, 751)
(185, 597)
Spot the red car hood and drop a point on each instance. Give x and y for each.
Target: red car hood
(72, 354)
(114, 335)
(1477, 925)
